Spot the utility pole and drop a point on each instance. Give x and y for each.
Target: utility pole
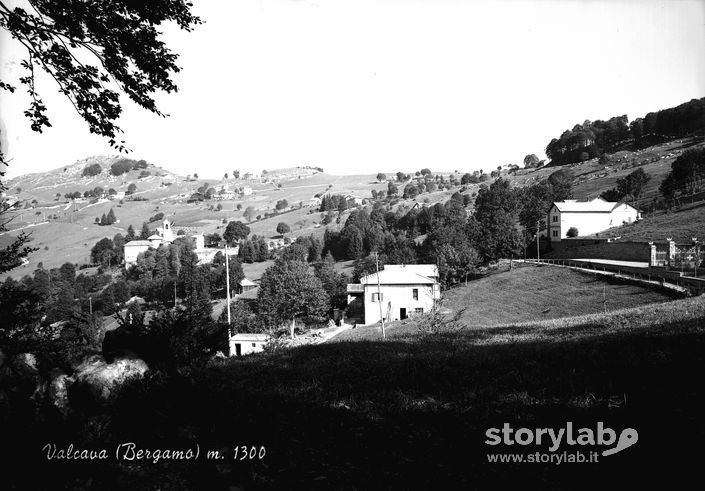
(538, 239)
(227, 282)
(379, 296)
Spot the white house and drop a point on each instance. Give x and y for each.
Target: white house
(356, 200)
(132, 249)
(247, 285)
(404, 290)
(246, 190)
(588, 217)
(244, 344)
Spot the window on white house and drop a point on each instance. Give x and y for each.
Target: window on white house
(418, 310)
(415, 293)
(254, 345)
(376, 297)
(555, 218)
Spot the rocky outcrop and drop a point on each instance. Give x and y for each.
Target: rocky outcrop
(105, 377)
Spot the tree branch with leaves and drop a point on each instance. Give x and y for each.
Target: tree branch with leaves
(94, 51)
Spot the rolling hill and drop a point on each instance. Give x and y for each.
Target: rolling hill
(57, 224)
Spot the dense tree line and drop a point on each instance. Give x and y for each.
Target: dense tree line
(445, 234)
(253, 250)
(592, 139)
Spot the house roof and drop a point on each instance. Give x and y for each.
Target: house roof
(250, 294)
(246, 282)
(138, 243)
(250, 337)
(397, 276)
(597, 205)
(155, 237)
(430, 270)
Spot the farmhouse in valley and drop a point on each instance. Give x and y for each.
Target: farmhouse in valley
(404, 290)
(588, 217)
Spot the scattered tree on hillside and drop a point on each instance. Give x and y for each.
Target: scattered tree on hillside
(122, 166)
(535, 202)
(687, 171)
(289, 290)
(335, 284)
(131, 188)
(531, 161)
(562, 183)
(411, 190)
(91, 170)
(381, 176)
(145, 233)
(283, 228)
(250, 213)
(103, 251)
(572, 232)
(235, 231)
(392, 189)
(633, 184)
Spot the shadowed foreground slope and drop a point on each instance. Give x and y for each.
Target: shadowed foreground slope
(412, 412)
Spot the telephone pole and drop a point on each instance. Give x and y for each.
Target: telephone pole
(538, 239)
(227, 282)
(379, 296)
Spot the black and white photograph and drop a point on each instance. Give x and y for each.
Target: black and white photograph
(352, 244)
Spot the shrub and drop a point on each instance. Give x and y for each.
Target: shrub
(572, 232)
(121, 166)
(92, 170)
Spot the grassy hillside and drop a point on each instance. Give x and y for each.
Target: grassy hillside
(592, 178)
(73, 225)
(682, 225)
(71, 229)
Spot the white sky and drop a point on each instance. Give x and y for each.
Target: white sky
(361, 86)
